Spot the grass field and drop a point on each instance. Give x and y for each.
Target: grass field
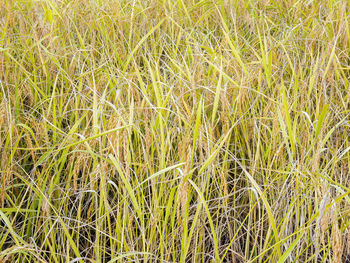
(175, 131)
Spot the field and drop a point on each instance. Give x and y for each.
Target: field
(175, 131)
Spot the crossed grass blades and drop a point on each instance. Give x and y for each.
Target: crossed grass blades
(174, 131)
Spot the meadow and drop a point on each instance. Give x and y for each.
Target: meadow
(175, 131)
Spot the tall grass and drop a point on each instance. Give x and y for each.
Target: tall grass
(174, 131)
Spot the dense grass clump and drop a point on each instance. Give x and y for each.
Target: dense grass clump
(174, 131)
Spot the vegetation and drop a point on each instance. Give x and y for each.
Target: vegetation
(174, 131)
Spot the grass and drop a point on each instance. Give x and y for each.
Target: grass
(174, 131)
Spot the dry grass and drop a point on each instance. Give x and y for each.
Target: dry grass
(174, 131)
